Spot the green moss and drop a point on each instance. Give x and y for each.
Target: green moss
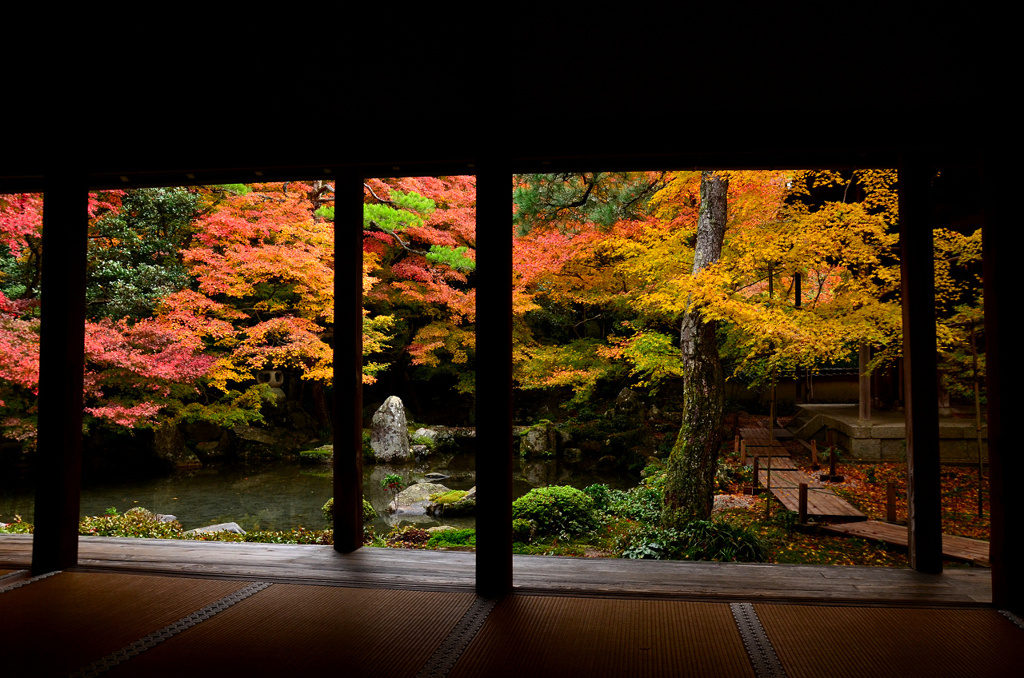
(452, 538)
(449, 497)
(368, 512)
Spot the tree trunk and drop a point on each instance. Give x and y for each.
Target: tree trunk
(690, 482)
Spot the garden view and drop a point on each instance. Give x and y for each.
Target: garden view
(655, 314)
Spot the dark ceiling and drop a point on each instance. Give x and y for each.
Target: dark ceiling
(667, 96)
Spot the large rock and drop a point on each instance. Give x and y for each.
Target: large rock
(169, 446)
(629, 408)
(389, 435)
(543, 440)
(414, 500)
(234, 528)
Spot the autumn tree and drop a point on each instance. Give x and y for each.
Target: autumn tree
(690, 476)
(421, 235)
(136, 370)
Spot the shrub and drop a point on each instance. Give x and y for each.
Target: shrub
(639, 503)
(368, 455)
(649, 542)
(296, 536)
(601, 495)
(557, 510)
(523, 530)
(368, 513)
(407, 537)
(697, 540)
(717, 540)
(136, 522)
(17, 527)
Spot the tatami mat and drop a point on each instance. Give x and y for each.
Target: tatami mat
(56, 625)
(560, 636)
(870, 642)
(293, 630)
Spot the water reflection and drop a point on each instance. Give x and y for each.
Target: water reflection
(285, 496)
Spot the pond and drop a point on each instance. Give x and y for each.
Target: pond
(285, 496)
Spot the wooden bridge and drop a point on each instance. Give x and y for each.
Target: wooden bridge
(777, 473)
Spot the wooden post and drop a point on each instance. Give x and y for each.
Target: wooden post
(58, 455)
(977, 423)
(890, 502)
(919, 359)
(802, 503)
(864, 393)
(1005, 373)
(743, 453)
(814, 456)
(348, 362)
(493, 384)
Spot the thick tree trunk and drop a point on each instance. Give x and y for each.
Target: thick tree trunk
(690, 483)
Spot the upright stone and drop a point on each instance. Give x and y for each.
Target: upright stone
(389, 435)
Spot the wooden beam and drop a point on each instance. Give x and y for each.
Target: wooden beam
(493, 383)
(1001, 254)
(58, 456)
(348, 362)
(920, 368)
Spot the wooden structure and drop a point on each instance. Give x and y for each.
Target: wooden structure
(929, 114)
(960, 548)
(822, 503)
(546, 575)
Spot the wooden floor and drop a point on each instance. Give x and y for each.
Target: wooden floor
(961, 548)
(455, 571)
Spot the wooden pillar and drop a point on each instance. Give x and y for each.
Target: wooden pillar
(348, 362)
(920, 368)
(58, 456)
(1001, 255)
(864, 395)
(493, 383)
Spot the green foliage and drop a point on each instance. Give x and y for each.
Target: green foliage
(523, 530)
(429, 442)
(642, 504)
(319, 454)
(296, 536)
(601, 495)
(368, 455)
(560, 200)
(557, 510)
(136, 522)
(452, 538)
(649, 543)
(17, 527)
(134, 252)
(393, 482)
(718, 540)
(454, 257)
(696, 540)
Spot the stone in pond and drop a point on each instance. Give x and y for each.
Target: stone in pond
(389, 436)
